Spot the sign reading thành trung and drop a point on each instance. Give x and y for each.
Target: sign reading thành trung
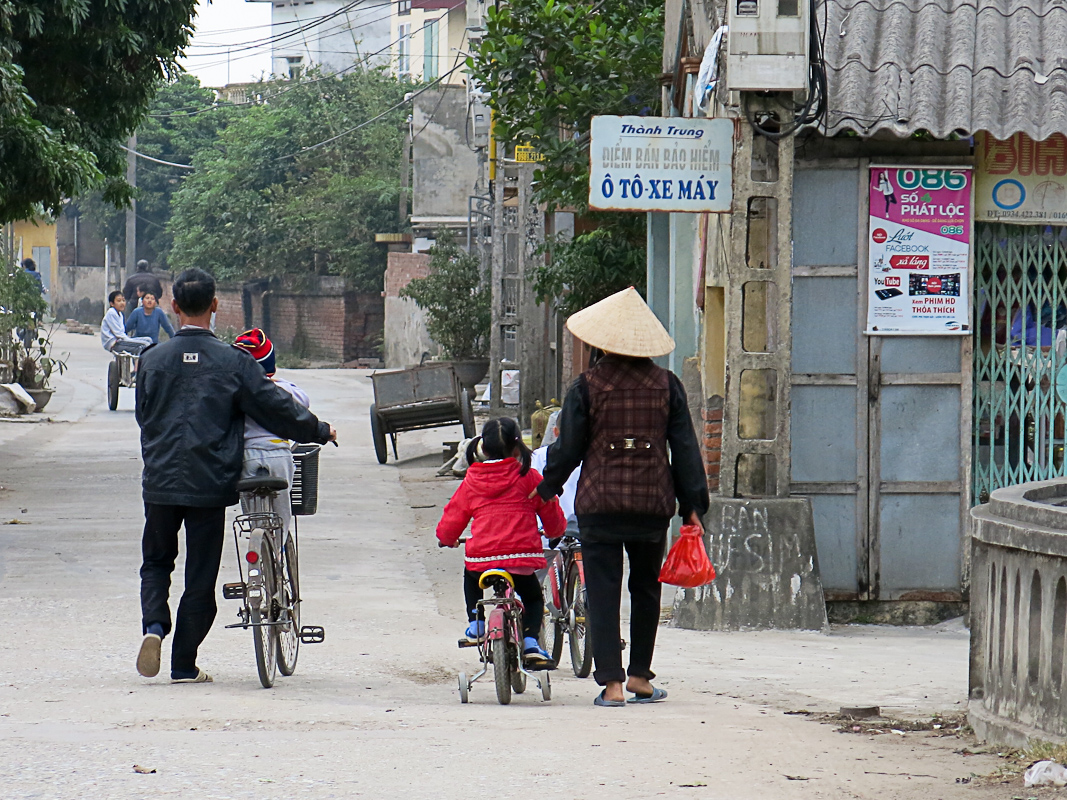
(661, 164)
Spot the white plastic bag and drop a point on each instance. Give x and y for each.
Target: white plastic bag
(1045, 773)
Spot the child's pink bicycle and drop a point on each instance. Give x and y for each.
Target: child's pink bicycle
(502, 645)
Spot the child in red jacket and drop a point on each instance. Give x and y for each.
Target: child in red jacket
(498, 492)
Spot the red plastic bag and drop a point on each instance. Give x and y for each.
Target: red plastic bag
(687, 563)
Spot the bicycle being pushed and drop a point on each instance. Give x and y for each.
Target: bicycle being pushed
(566, 607)
(270, 593)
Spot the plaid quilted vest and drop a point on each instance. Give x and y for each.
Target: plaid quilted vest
(626, 469)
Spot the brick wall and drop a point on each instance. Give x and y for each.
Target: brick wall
(322, 322)
(712, 414)
(402, 269)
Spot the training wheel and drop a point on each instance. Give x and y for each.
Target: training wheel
(464, 688)
(546, 688)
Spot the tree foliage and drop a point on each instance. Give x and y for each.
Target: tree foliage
(183, 119)
(76, 77)
(264, 201)
(456, 300)
(549, 68)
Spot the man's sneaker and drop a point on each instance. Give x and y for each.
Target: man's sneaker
(475, 631)
(183, 677)
(534, 657)
(148, 655)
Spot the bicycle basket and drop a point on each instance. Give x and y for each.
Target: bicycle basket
(304, 493)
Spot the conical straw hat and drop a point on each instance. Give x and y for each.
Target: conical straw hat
(622, 324)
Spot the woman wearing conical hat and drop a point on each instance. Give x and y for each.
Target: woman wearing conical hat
(617, 421)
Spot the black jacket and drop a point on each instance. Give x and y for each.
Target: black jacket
(147, 282)
(193, 392)
(687, 466)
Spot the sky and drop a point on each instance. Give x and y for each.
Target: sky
(233, 24)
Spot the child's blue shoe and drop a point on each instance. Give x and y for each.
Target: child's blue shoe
(475, 631)
(534, 657)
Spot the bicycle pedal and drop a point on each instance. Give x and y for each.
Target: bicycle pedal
(312, 634)
(468, 643)
(233, 591)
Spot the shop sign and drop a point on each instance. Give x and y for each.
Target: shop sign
(919, 251)
(1020, 180)
(661, 164)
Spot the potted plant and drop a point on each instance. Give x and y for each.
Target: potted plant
(457, 305)
(35, 363)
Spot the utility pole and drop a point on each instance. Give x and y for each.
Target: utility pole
(131, 212)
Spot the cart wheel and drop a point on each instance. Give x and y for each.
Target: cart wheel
(113, 385)
(466, 415)
(464, 688)
(546, 688)
(378, 435)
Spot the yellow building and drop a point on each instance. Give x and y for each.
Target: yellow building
(36, 239)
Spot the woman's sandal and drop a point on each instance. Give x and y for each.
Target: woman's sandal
(603, 701)
(656, 696)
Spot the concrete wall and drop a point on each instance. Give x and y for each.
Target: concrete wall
(444, 169)
(406, 337)
(333, 45)
(79, 294)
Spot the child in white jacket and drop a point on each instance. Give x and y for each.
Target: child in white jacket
(263, 448)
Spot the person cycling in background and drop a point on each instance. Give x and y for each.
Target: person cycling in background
(148, 319)
(263, 448)
(496, 493)
(570, 487)
(113, 328)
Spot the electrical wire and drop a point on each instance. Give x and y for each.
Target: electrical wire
(455, 66)
(355, 128)
(156, 160)
(300, 84)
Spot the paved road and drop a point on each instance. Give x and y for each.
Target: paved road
(373, 711)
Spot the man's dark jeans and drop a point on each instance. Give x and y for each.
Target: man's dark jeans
(603, 584)
(204, 534)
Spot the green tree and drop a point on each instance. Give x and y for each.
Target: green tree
(76, 77)
(183, 119)
(548, 68)
(267, 200)
(456, 300)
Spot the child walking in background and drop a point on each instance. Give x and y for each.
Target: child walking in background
(496, 493)
(263, 448)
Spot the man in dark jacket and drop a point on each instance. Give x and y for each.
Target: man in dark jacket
(193, 392)
(138, 284)
(618, 421)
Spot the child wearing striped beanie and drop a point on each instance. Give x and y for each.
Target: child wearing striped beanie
(263, 448)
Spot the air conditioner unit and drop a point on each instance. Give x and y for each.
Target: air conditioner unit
(476, 17)
(767, 46)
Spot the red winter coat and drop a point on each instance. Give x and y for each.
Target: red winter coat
(504, 534)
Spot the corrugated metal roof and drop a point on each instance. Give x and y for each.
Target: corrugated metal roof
(947, 65)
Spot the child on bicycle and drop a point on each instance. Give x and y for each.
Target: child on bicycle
(497, 492)
(263, 448)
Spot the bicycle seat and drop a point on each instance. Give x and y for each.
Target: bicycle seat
(257, 483)
(492, 575)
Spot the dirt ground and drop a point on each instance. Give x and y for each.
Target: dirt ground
(373, 711)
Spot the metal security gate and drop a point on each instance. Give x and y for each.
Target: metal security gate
(1019, 393)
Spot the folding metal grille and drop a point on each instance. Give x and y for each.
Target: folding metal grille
(1021, 317)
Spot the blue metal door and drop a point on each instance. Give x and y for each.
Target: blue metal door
(876, 422)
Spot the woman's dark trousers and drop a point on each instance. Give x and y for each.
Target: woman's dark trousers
(603, 583)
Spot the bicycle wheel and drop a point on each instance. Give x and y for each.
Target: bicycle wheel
(518, 681)
(552, 636)
(113, 385)
(266, 636)
(289, 634)
(581, 652)
(502, 671)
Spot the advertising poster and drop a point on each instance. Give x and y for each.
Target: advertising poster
(661, 164)
(919, 251)
(1021, 181)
